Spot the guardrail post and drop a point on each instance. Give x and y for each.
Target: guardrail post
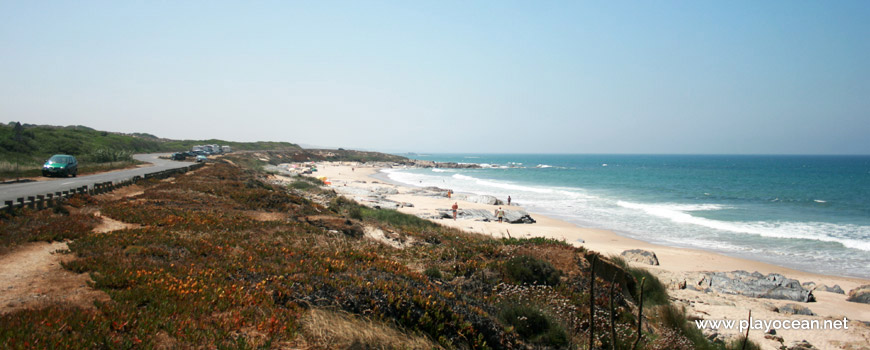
(40, 202)
(10, 205)
(21, 202)
(65, 194)
(50, 200)
(31, 202)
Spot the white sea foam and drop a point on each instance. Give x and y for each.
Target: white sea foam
(819, 231)
(665, 208)
(502, 185)
(641, 219)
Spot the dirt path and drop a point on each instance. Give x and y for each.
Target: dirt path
(31, 277)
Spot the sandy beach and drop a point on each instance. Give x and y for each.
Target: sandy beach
(676, 265)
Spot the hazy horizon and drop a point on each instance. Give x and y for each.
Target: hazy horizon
(769, 78)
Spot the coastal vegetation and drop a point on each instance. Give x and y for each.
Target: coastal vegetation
(654, 291)
(24, 147)
(223, 258)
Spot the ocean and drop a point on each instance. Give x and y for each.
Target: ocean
(810, 213)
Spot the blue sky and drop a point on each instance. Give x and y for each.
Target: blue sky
(772, 77)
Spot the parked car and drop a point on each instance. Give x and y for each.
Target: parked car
(61, 165)
(201, 158)
(178, 156)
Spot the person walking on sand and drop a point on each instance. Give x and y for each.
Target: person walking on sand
(455, 208)
(499, 214)
(509, 200)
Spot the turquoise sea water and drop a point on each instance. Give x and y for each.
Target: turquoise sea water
(806, 212)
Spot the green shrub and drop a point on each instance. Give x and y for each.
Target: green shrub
(355, 213)
(105, 155)
(534, 325)
(305, 183)
(301, 185)
(526, 269)
(533, 240)
(654, 292)
(433, 273)
(397, 219)
(737, 344)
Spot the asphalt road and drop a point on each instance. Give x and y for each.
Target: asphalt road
(9, 192)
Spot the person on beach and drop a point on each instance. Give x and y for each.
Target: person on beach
(449, 193)
(509, 200)
(455, 208)
(499, 214)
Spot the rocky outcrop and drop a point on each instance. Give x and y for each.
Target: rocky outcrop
(641, 256)
(374, 197)
(433, 164)
(471, 214)
(428, 191)
(510, 216)
(821, 287)
(518, 217)
(756, 285)
(796, 309)
(478, 198)
(860, 294)
(835, 289)
(384, 190)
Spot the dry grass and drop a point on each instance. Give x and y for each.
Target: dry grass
(564, 258)
(339, 330)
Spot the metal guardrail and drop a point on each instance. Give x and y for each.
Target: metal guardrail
(50, 200)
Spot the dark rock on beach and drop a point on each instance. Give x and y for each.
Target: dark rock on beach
(478, 198)
(801, 345)
(510, 216)
(641, 256)
(834, 289)
(518, 217)
(814, 287)
(796, 309)
(860, 294)
(756, 285)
